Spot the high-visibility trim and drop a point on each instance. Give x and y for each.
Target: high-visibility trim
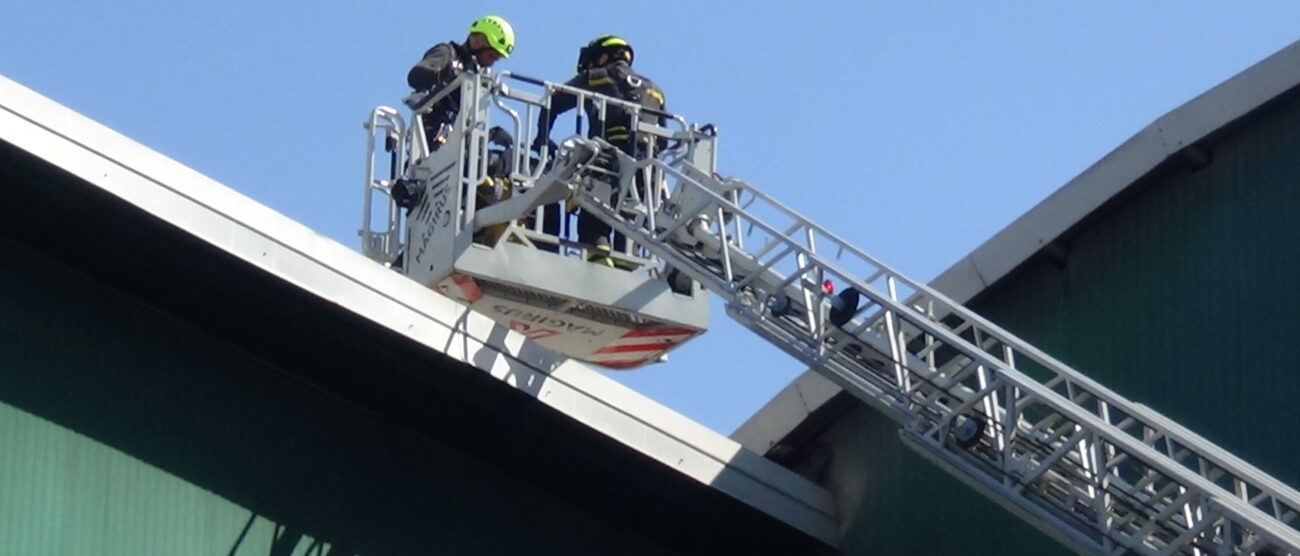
(600, 81)
(655, 347)
(657, 95)
(609, 42)
(659, 332)
(638, 347)
(612, 133)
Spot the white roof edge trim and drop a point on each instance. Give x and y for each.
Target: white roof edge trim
(1121, 168)
(266, 239)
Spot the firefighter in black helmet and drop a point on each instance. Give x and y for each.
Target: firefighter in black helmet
(605, 67)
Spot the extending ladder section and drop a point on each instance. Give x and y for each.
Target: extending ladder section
(1097, 472)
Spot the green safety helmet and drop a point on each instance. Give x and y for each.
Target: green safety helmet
(498, 32)
(601, 45)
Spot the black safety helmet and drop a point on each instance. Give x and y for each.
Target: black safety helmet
(608, 44)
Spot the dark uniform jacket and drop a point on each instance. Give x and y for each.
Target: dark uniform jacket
(439, 66)
(616, 80)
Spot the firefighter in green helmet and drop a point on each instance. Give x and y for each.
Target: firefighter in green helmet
(490, 39)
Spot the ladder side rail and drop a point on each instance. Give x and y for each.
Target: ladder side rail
(1025, 385)
(1278, 499)
(1221, 457)
(923, 293)
(795, 349)
(1278, 493)
(1152, 427)
(1044, 517)
(986, 350)
(1041, 517)
(880, 392)
(1211, 461)
(803, 351)
(1107, 526)
(795, 250)
(752, 270)
(799, 271)
(1161, 516)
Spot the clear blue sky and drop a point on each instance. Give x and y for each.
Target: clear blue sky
(914, 129)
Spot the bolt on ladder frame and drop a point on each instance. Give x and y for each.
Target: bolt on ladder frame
(1097, 472)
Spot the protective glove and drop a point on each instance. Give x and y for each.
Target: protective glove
(500, 137)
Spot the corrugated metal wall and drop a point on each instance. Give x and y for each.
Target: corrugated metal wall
(63, 493)
(1185, 296)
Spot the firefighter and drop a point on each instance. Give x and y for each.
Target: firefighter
(490, 39)
(605, 67)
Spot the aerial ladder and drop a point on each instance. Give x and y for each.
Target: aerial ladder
(1095, 471)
